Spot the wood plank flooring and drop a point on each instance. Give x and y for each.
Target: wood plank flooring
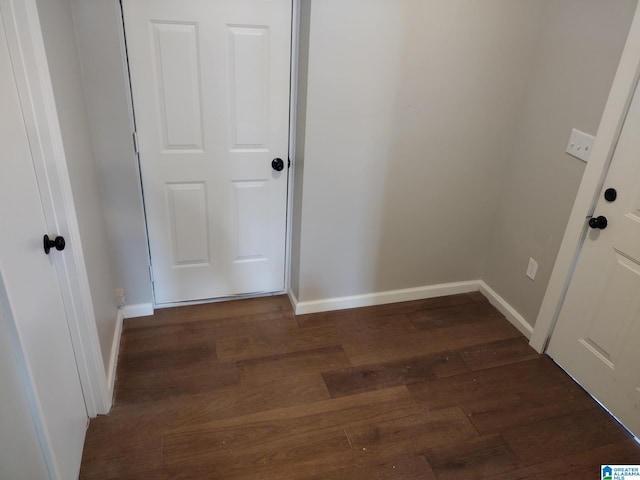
(435, 389)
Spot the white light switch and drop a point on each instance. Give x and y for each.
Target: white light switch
(580, 145)
(532, 269)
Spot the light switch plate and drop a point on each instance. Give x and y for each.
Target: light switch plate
(532, 269)
(580, 145)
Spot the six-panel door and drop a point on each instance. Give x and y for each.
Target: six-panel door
(597, 338)
(210, 86)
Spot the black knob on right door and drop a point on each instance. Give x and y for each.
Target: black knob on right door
(277, 164)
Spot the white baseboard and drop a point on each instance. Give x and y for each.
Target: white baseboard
(138, 310)
(419, 293)
(507, 310)
(115, 348)
(381, 298)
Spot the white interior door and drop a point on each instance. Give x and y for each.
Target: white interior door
(597, 338)
(210, 81)
(30, 297)
(21, 456)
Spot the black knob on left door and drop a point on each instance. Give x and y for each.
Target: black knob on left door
(277, 164)
(598, 222)
(610, 194)
(58, 243)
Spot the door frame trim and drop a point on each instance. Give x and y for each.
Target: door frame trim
(31, 70)
(611, 123)
(293, 97)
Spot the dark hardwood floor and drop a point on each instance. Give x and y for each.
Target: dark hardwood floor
(434, 389)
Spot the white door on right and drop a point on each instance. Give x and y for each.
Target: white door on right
(597, 338)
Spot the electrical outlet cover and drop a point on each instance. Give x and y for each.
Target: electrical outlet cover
(580, 145)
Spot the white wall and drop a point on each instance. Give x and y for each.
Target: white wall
(410, 115)
(419, 158)
(99, 33)
(578, 50)
(58, 33)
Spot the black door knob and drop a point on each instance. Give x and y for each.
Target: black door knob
(48, 244)
(277, 164)
(598, 222)
(610, 194)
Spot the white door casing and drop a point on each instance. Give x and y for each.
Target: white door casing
(210, 84)
(597, 337)
(32, 294)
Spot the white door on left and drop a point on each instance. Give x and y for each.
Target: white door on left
(31, 296)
